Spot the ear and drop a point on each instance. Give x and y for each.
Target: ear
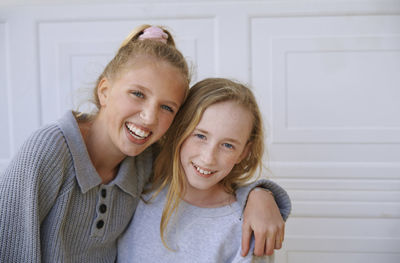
(245, 152)
(103, 91)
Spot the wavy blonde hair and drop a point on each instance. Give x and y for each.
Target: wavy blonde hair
(168, 170)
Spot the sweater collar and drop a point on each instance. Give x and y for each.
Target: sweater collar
(86, 174)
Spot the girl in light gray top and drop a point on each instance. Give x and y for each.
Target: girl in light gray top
(72, 189)
(191, 214)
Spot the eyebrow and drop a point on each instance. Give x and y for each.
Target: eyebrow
(225, 139)
(149, 91)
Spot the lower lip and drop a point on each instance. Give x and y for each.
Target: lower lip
(202, 175)
(135, 140)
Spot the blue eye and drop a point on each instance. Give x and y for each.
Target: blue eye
(200, 136)
(168, 108)
(138, 94)
(228, 145)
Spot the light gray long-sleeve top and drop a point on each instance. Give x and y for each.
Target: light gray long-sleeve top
(198, 235)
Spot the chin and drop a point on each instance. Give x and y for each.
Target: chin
(200, 187)
(135, 152)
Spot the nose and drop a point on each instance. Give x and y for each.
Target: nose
(149, 114)
(208, 154)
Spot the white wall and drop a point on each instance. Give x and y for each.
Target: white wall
(326, 73)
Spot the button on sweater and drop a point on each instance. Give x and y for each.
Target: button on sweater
(53, 205)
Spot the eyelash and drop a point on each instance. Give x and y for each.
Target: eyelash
(228, 145)
(200, 136)
(141, 95)
(168, 108)
(138, 94)
(203, 137)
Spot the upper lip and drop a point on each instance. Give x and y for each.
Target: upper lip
(146, 129)
(203, 168)
(141, 129)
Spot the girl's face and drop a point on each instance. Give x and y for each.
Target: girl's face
(138, 106)
(217, 143)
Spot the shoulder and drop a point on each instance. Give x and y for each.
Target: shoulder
(45, 137)
(44, 153)
(47, 143)
(51, 143)
(41, 165)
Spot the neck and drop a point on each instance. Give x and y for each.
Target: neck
(102, 152)
(209, 198)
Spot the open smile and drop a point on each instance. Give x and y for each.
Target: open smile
(204, 172)
(138, 134)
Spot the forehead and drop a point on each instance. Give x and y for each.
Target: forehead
(227, 120)
(159, 77)
(143, 61)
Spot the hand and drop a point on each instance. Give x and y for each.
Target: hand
(261, 216)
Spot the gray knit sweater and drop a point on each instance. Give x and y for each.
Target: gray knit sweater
(53, 205)
(55, 209)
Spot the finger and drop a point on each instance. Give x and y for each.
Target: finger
(259, 244)
(246, 236)
(269, 247)
(278, 241)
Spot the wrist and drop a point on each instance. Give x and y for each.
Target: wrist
(259, 193)
(258, 189)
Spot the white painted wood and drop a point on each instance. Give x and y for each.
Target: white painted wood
(326, 75)
(340, 73)
(5, 138)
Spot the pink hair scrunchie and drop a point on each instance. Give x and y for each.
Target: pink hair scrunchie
(154, 33)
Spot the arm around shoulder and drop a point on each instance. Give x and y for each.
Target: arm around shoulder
(281, 197)
(264, 216)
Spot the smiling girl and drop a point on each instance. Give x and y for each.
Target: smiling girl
(216, 143)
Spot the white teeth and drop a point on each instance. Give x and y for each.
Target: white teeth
(137, 132)
(202, 171)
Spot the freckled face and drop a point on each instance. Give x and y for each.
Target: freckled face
(218, 142)
(139, 105)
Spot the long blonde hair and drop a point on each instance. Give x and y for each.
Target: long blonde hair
(168, 170)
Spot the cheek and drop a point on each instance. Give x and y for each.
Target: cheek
(117, 107)
(230, 161)
(164, 122)
(186, 150)
(185, 146)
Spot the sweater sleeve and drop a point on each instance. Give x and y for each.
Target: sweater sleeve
(28, 189)
(282, 199)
